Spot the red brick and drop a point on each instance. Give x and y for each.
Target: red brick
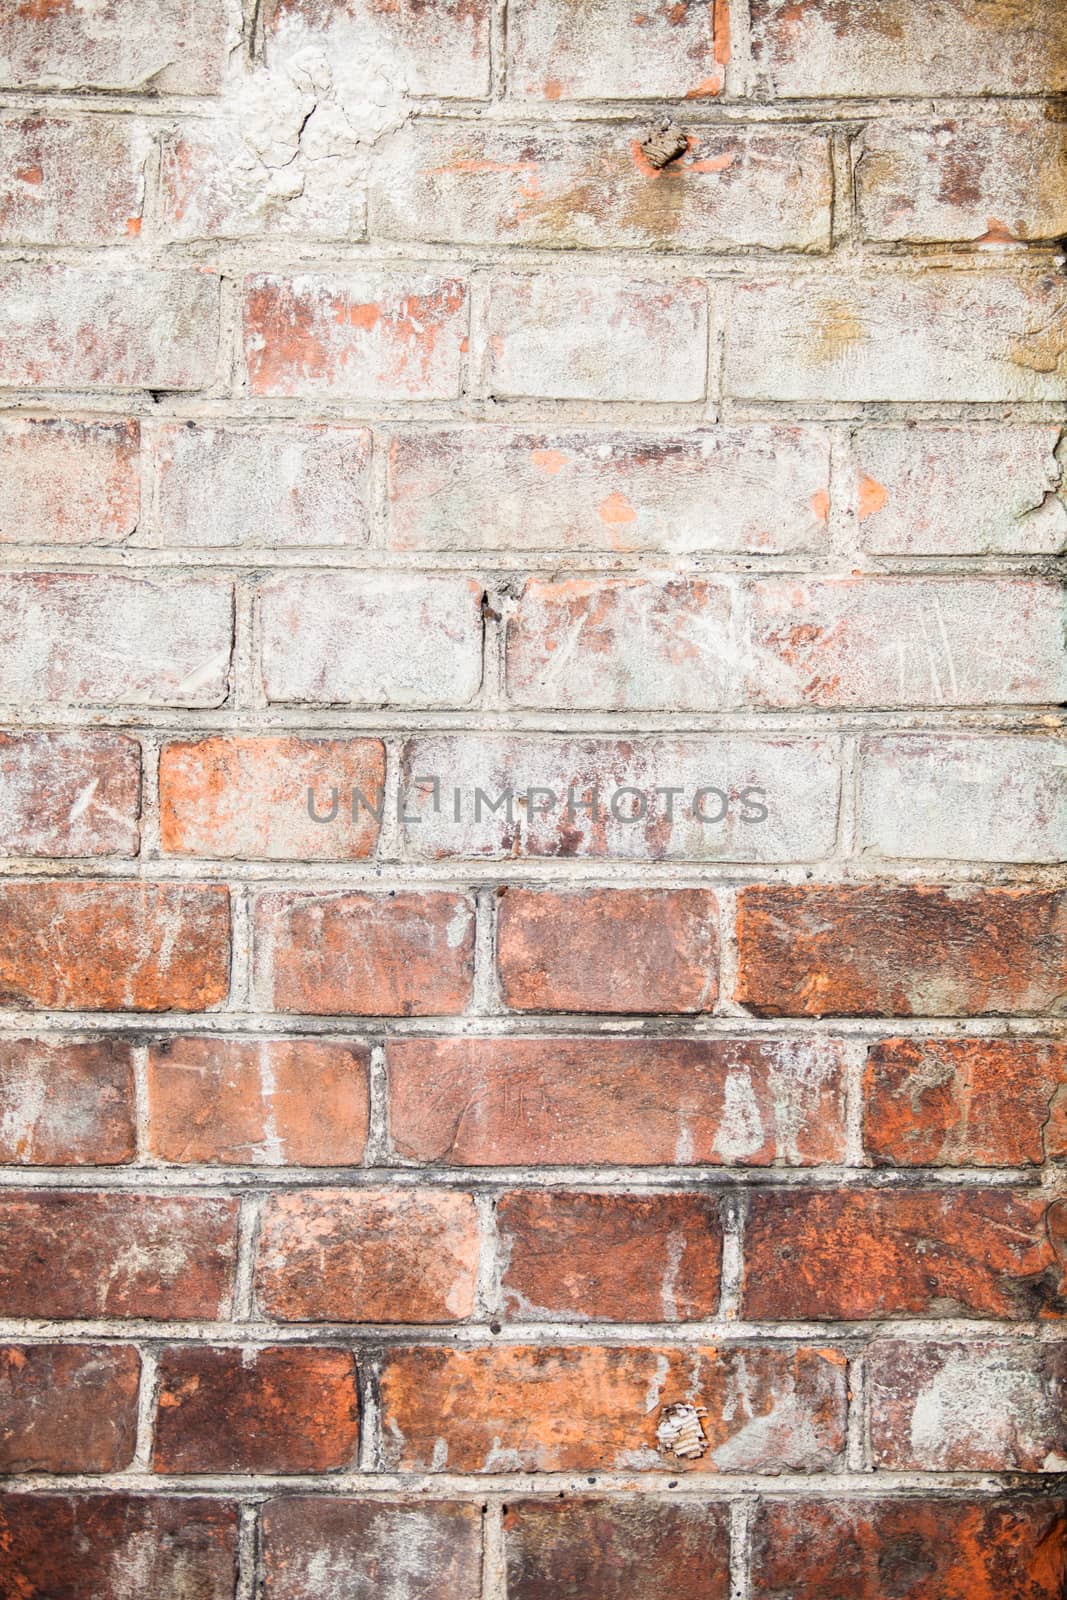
(275, 1408)
(67, 327)
(331, 639)
(616, 1550)
(88, 1254)
(105, 639)
(67, 181)
(366, 336)
(859, 47)
(752, 488)
(966, 1102)
(368, 1255)
(69, 794)
(68, 482)
(916, 1549)
(66, 1104)
(626, 950)
(906, 642)
(609, 1257)
(395, 955)
(844, 1255)
(289, 485)
(887, 951)
(258, 1102)
(617, 1102)
(607, 52)
(544, 1408)
(921, 180)
(117, 1547)
(956, 1407)
(556, 337)
(336, 1548)
(114, 946)
(248, 797)
(68, 1408)
(564, 189)
(570, 645)
(441, 49)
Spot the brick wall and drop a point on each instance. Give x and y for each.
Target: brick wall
(378, 417)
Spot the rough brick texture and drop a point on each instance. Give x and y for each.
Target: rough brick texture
(533, 800)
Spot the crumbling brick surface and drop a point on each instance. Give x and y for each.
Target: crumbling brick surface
(533, 800)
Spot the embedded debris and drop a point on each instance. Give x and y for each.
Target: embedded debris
(664, 143)
(681, 1433)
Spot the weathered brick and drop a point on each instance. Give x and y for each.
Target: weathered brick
(332, 639)
(66, 1104)
(366, 336)
(1012, 792)
(944, 1549)
(570, 645)
(94, 638)
(977, 490)
(561, 189)
(753, 488)
(606, 52)
(926, 179)
(368, 1255)
(248, 796)
(176, 47)
(863, 48)
(275, 1408)
(114, 946)
(117, 1547)
(396, 955)
(626, 950)
(733, 799)
(907, 642)
(68, 482)
(577, 337)
(79, 328)
(843, 1255)
(90, 1254)
(966, 1102)
(69, 794)
(955, 1407)
(258, 1102)
(67, 181)
(609, 1257)
(633, 1102)
(895, 336)
(881, 950)
(614, 1550)
(547, 1408)
(287, 485)
(335, 1548)
(441, 49)
(68, 1408)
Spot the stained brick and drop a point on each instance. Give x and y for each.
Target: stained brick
(248, 796)
(885, 950)
(274, 1408)
(65, 1104)
(626, 950)
(177, 47)
(847, 1255)
(69, 794)
(546, 1408)
(86, 1254)
(114, 946)
(633, 1102)
(68, 1408)
(66, 181)
(606, 52)
(609, 1257)
(326, 1548)
(403, 954)
(613, 1550)
(441, 49)
(68, 482)
(368, 1255)
(258, 1102)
